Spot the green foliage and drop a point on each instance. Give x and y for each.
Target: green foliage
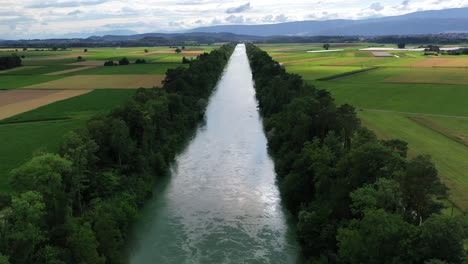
(442, 237)
(421, 187)
(8, 62)
(22, 228)
(4, 259)
(109, 63)
(380, 237)
(124, 61)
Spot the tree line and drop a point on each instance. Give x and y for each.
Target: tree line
(355, 198)
(9, 62)
(77, 206)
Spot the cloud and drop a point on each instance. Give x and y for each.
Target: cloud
(235, 19)
(74, 13)
(376, 6)
(239, 9)
(65, 4)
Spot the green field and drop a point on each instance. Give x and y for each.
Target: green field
(26, 133)
(404, 98)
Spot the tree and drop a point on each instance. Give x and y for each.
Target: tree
(84, 245)
(85, 50)
(79, 58)
(4, 259)
(124, 61)
(397, 145)
(185, 60)
(178, 50)
(421, 187)
(316, 231)
(81, 150)
(383, 194)
(349, 122)
(401, 45)
(380, 237)
(146, 50)
(45, 174)
(326, 46)
(109, 63)
(23, 227)
(442, 237)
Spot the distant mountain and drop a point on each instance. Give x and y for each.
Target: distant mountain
(424, 22)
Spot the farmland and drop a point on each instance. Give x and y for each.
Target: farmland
(54, 93)
(420, 99)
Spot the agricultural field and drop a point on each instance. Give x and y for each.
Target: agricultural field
(420, 99)
(54, 93)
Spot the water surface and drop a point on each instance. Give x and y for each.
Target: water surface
(221, 203)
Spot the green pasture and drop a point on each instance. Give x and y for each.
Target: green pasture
(129, 69)
(449, 155)
(18, 81)
(42, 129)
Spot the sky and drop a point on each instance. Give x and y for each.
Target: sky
(28, 19)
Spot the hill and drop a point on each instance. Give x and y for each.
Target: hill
(423, 22)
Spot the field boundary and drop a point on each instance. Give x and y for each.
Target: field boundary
(434, 127)
(12, 122)
(346, 74)
(413, 113)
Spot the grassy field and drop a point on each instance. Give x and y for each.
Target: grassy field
(417, 98)
(30, 132)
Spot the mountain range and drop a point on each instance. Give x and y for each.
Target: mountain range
(418, 23)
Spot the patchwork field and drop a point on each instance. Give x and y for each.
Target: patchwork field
(54, 93)
(417, 98)
(19, 101)
(102, 82)
(432, 75)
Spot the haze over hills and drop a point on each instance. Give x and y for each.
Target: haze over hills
(424, 22)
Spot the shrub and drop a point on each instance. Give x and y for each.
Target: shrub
(124, 61)
(109, 63)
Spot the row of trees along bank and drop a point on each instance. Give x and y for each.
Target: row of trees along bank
(77, 206)
(356, 199)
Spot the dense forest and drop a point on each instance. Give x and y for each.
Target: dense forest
(9, 62)
(356, 199)
(77, 206)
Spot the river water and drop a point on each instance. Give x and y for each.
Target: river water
(221, 203)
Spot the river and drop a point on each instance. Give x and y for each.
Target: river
(221, 203)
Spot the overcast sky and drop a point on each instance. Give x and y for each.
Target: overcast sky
(49, 18)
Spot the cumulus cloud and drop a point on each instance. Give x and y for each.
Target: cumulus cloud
(235, 19)
(74, 13)
(238, 9)
(65, 4)
(376, 6)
